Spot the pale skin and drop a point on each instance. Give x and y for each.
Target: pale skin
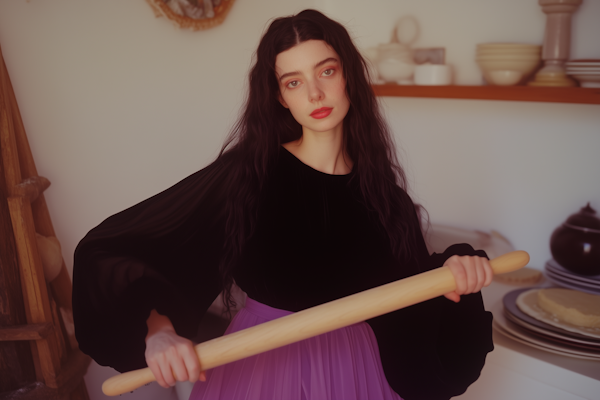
(312, 86)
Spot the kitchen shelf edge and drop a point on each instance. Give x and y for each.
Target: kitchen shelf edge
(577, 95)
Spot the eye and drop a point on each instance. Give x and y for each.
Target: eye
(328, 72)
(293, 84)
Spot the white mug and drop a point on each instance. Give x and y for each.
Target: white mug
(433, 74)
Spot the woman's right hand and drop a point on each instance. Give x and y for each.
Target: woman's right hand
(169, 356)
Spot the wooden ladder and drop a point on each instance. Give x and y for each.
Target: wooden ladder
(39, 357)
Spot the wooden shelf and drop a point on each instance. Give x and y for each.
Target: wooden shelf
(509, 93)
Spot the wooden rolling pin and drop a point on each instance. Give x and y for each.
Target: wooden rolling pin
(318, 320)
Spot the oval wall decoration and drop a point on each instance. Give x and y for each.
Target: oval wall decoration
(192, 14)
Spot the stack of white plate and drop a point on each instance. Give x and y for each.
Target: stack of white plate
(543, 333)
(565, 278)
(587, 72)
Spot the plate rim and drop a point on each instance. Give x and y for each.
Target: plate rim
(500, 320)
(552, 334)
(556, 266)
(573, 281)
(509, 303)
(568, 285)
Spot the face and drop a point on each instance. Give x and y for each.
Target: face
(312, 86)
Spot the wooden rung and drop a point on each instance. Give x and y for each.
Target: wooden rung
(31, 188)
(25, 332)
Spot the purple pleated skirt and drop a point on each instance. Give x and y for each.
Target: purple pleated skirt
(339, 365)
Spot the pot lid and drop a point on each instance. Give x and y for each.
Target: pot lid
(585, 218)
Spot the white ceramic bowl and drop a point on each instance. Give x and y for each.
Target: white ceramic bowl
(524, 66)
(508, 51)
(507, 71)
(392, 70)
(509, 58)
(507, 64)
(503, 77)
(507, 46)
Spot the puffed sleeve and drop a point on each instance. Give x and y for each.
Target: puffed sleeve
(435, 349)
(162, 254)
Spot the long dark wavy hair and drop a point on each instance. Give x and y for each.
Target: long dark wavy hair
(265, 125)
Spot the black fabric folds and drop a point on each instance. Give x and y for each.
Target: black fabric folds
(314, 241)
(436, 349)
(162, 254)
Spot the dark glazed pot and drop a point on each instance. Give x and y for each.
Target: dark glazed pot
(575, 244)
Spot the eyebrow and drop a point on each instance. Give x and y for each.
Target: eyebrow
(317, 65)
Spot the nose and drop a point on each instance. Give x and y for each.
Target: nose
(315, 92)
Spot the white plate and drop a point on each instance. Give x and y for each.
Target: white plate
(569, 280)
(582, 72)
(572, 286)
(438, 237)
(510, 330)
(583, 67)
(548, 333)
(591, 75)
(509, 301)
(556, 267)
(583, 64)
(527, 302)
(550, 349)
(586, 77)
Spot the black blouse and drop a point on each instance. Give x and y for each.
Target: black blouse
(314, 241)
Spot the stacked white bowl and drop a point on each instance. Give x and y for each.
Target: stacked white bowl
(395, 63)
(507, 64)
(587, 72)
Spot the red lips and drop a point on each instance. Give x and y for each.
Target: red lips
(321, 112)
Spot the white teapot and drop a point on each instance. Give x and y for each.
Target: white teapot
(394, 61)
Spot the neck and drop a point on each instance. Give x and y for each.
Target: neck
(323, 151)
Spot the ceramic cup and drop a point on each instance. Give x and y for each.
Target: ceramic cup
(433, 74)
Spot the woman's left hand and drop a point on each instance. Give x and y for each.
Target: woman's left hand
(471, 273)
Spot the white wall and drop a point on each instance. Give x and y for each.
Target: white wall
(118, 105)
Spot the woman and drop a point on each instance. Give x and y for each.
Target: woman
(305, 204)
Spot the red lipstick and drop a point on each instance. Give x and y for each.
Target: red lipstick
(321, 112)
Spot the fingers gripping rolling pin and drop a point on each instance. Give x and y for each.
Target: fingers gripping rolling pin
(318, 320)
